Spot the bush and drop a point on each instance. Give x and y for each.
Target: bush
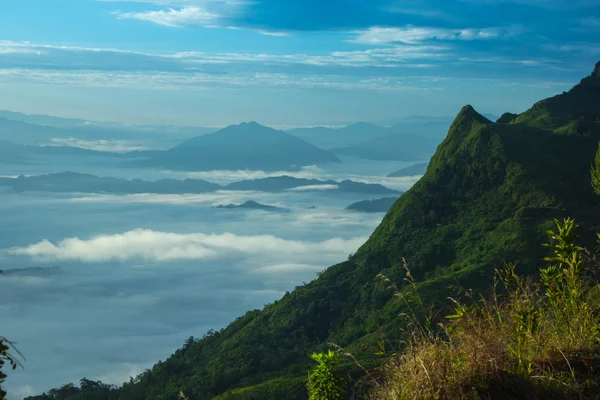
(323, 383)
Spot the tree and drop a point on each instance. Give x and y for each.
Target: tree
(595, 172)
(6, 358)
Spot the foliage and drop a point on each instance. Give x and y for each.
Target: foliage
(88, 389)
(323, 382)
(595, 172)
(531, 339)
(6, 358)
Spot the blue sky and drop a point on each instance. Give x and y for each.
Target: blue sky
(289, 62)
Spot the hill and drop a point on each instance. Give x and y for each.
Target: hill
(373, 206)
(19, 153)
(252, 205)
(489, 195)
(71, 182)
(283, 183)
(245, 146)
(413, 170)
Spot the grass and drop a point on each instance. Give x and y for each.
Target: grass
(532, 339)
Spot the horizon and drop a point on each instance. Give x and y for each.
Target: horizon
(205, 62)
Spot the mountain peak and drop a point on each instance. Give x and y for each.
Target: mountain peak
(596, 72)
(468, 115)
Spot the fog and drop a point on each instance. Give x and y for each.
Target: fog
(141, 273)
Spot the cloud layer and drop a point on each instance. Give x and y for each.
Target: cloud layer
(148, 245)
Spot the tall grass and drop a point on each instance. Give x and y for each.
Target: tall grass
(531, 339)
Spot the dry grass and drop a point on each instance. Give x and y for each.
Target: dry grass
(529, 340)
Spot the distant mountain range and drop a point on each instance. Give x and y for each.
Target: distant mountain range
(252, 205)
(244, 146)
(395, 147)
(44, 129)
(413, 170)
(238, 147)
(406, 132)
(71, 182)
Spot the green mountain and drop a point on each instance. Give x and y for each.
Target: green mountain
(489, 194)
(244, 146)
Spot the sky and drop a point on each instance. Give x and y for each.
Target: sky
(289, 62)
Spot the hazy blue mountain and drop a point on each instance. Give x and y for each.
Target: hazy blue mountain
(373, 206)
(245, 146)
(39, 119)
(395, 147)
(491, 117)
(252, 205)
(328, 138)
(282, 183)
(362, 132)
(416, 120)
(413, 170)
(42, 129)
(70, 182)
(25, 133)
(18, 153)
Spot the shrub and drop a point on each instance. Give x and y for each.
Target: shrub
(323, 383)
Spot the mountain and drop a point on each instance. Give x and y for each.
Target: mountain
(395, 147)
(44, 129)
(245, 146)
(328, 138)
(360, 133)
(18, 153)
(413, 170)
(71, 182)
(373, 206)
(283, 183)
(489, 195)
(252, 205)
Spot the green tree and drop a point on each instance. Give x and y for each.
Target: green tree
(595, 172)
(323, 383)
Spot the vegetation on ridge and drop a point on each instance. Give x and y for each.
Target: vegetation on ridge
(533, 339)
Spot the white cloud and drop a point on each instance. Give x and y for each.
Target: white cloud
(313, 187)
(153, 246)
(174, 18)
(117, 146)
(415, 35)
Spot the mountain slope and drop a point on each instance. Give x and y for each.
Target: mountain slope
(489, 194)
(244, 146)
